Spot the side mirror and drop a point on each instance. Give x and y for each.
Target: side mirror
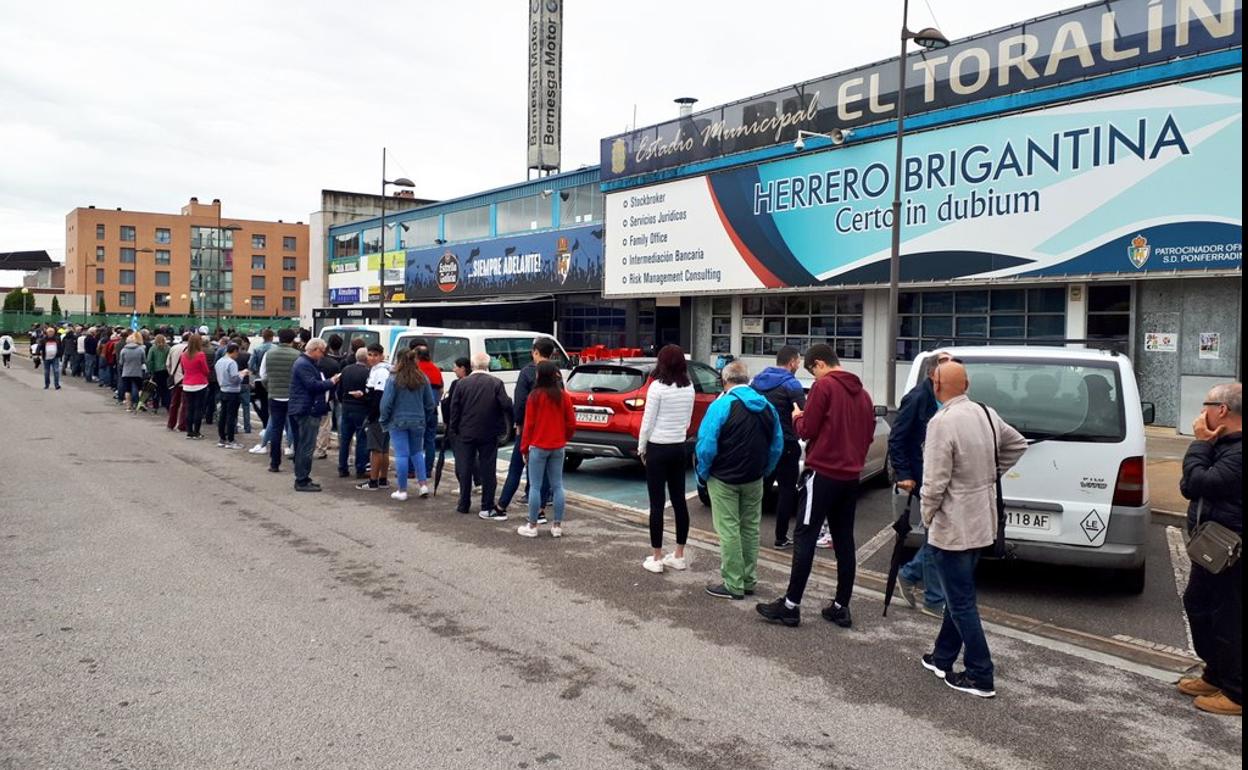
(1149, 410)
(881, 411)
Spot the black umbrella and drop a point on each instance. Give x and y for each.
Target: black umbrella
(441, 463)
(902, 528)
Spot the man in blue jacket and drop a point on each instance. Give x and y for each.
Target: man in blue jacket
(782, 390)
(905, 454)
(739, 444)
(307, 406)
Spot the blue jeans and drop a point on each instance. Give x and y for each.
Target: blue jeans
(431, 448)
(88, 368)
(351, 426)
(516, 469)
(546, 465)
(962, 627)
(921, 569)
(305, 441)
(409, 452)
(51, 371)
(278, 421)
(106, 373)
(244, 401)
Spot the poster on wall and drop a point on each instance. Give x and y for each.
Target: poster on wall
(1210, 345)
(557, 261)
(1161, 342)
(344, 265)
(1079, 189)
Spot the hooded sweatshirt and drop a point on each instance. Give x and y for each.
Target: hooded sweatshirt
(739, 440)
(838, 426)
(132, 359)
(781, 388)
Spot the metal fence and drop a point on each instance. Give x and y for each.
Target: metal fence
(18, 323)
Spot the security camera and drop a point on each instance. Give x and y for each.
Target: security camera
(800, 144)
(547, 193)
(839, 135)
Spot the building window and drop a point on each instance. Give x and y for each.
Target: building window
(347, 245)
(257, 242)
(126, 299)
(1109, 313)
(418, 232)
(99, 275)
(288, 263)
(163, 236)
(372, 240)
(980, 316)
(583, 325)
(162, 256)
(288, 304)
(770, 323)
(288, 284)
(721, 324)
(99, 232)
(468, 224)
(580, 205)
(126, 277)
(99, 253)
(162, 278)
(127, 233)
(288, 243)
(257, 282)
(162, 299)
(533, 212)
(127, 256)
(257, 261)
(257, 303)
(99, 297)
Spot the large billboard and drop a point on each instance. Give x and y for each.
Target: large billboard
(555, 261)
(1099, 38)
(545, 83)
(1134, 183)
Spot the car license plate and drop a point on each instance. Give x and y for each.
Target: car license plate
(1029, 520)
(597, 418)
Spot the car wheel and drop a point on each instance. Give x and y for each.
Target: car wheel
(572, 462)
(1132, 580)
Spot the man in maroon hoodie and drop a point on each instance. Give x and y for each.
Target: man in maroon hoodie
(838, 425)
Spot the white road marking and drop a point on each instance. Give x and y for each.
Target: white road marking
(868, 549)
(1182, 572)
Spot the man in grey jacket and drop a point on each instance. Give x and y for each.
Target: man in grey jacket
(968, 448)
(479, 409)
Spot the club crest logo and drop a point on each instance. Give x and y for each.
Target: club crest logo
(619, 156)
(448, 273)
(563, 260)
(1138, 251)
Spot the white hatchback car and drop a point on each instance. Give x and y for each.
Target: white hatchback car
(1079, 495)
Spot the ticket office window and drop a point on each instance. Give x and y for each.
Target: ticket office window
(769, 323)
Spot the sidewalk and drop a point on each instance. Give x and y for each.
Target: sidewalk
(1164, 467)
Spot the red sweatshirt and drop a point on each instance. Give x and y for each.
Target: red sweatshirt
(838, 426)
(547, 425)
(432, 372)
(195, 370)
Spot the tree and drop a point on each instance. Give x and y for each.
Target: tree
(18, 302)
(56, 306)
(191, 312)
(102, 310)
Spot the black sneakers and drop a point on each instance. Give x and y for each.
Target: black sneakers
(930, 665)
(835, 613)
(962, 682)
(493, 514)
(367, 485)
(783, 544)
(777, 612)
(720, 591)
(311, 486)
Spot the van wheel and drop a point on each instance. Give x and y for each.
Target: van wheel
(572, 462)
(1132, 580)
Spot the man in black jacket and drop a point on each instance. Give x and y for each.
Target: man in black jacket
(782, 390)
(1213, 478)
(352, 395)
(479, 408)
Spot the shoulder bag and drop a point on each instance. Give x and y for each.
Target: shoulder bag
(1214, 547)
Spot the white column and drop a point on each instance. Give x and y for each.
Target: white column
(1077, 312)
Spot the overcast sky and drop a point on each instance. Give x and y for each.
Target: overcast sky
(143, 104)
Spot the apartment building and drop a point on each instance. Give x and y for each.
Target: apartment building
(169, 263)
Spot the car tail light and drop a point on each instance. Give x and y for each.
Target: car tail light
(635, 403)
(1129, 489)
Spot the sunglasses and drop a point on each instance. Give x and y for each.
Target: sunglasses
(1214, 403)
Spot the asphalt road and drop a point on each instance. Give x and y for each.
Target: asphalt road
(167, 604)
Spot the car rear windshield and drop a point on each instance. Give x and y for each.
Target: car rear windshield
(605, 379)
(1052, 399)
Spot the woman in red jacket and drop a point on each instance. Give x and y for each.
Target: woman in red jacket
(195, 384)
(549, 422)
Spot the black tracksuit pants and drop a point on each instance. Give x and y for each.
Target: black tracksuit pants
(836, 501)
(665, 474)
(780, 488)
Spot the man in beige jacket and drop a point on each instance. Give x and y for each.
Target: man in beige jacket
(961, 465)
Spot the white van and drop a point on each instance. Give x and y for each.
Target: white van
(370, 333)
(1079, 495)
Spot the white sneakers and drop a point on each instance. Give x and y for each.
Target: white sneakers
(526, 530)
(290, 452)
(398, 494)
(424, 490)
(259, 449)
(669, 560)
(556, 531)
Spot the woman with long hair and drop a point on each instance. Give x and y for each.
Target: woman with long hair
(549, 422)
(661, 444)
(195, 385)
(407, 406)
(132, 360)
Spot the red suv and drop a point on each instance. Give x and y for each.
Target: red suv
(610, 398)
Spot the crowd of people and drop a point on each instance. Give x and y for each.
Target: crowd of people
(947, 451)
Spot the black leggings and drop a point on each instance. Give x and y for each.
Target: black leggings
(836, 501)
(195, 410)
(665, 466)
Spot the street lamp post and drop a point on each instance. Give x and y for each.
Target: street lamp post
(85, 284)
(381, 273)
(930, 39)
(221, 262)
